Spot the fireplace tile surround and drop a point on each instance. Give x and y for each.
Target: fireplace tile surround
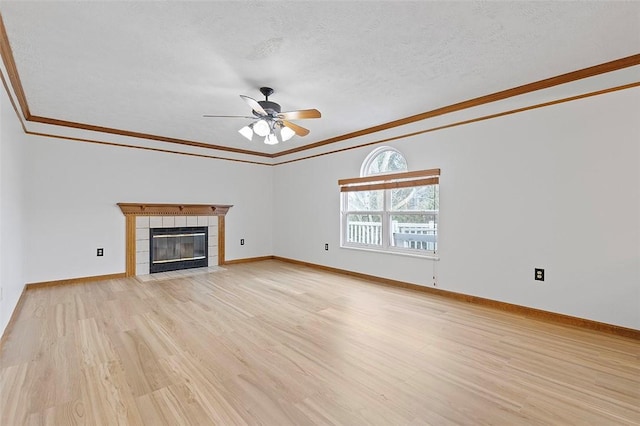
(142, 217)
(143, 223)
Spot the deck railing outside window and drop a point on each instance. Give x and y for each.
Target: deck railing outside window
(365, 233)
(417, 236)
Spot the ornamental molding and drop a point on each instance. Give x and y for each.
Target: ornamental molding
(150, 209)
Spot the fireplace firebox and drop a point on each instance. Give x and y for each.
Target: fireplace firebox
(171, 249)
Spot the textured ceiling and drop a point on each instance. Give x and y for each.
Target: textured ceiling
(156, 67)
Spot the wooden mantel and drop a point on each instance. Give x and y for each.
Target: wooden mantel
(131, 210)
(149, 209)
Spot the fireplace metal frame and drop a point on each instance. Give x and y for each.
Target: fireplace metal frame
(178, 264)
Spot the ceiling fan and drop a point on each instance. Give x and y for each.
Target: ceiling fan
(270, 122)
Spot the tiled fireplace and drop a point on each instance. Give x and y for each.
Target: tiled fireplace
(142, 218)
(143, 246)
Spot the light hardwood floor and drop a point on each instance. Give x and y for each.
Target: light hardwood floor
(275, 344)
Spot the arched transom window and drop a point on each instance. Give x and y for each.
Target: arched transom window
(383, 160)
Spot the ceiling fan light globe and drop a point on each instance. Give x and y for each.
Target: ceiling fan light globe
(262, 128)
(246, 132)
(286, 133)
(271, 139)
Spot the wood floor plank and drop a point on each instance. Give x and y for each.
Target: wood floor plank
(274, 343)
(173, 405)
(92, 343)
(71, 413)
(55, 374)
(213, 397)
(106, 396)
(15, 396)
(139, 362)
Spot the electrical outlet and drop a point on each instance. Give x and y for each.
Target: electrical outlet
(326, 246)
(241, 241)
(539, 274)
(100, 252)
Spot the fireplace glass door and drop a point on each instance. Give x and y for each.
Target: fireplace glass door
(177, 248)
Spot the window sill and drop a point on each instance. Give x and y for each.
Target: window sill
(397, 253)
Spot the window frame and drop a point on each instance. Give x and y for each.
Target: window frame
(387, 182)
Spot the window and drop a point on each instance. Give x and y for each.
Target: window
(388, 208)
(383, 160)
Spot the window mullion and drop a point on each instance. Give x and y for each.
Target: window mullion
(386, 220)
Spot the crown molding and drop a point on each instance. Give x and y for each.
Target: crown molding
(14, 79)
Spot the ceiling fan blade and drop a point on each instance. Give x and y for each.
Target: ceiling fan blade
(299, 115)
(254, 105)
(300, 131)
(229, 116)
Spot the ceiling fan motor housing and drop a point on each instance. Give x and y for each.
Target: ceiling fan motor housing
(271, 108)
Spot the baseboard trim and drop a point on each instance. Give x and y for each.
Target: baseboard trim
(248, 260)
(14, 316)
(79, 280)
(495, 304)
(502, 306)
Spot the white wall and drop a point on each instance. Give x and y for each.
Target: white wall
(72, 189)
(12, 141)
(556, 188)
